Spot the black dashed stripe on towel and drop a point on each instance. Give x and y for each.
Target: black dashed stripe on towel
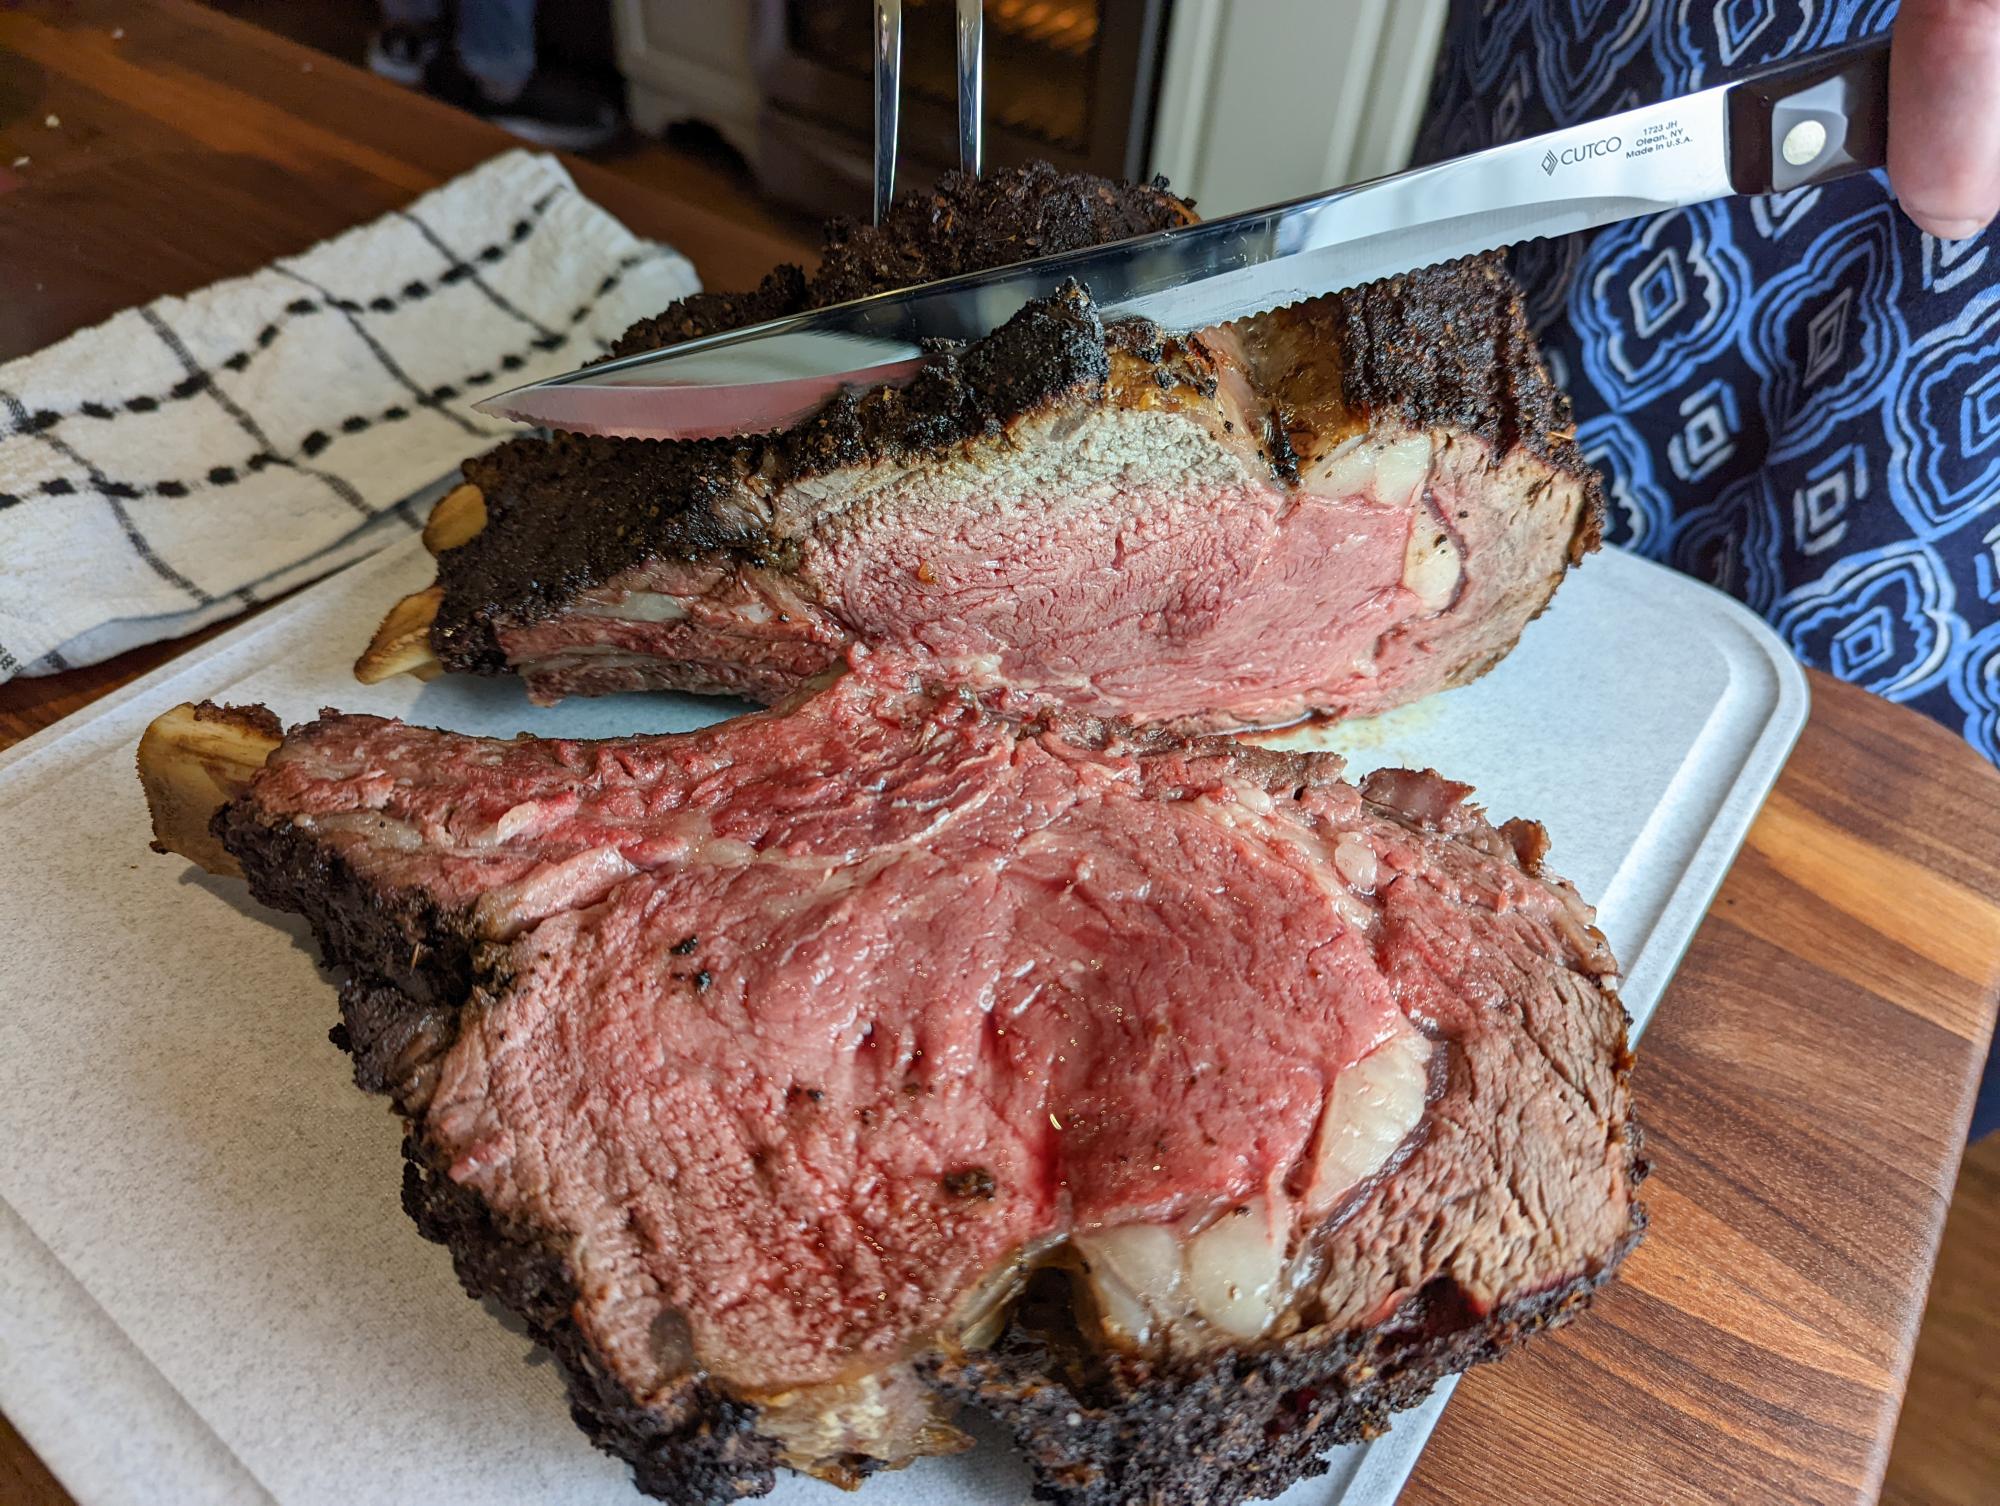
(114, 494)
(222, 475)
(492, 294)
(312, 444)
(489, 255)
(435, 399)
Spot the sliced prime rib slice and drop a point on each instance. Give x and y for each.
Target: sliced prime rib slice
(1337, 507)
(1181, 1104)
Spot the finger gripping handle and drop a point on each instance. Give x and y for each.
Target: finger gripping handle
(1811, 122)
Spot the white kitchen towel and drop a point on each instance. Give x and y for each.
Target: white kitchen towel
(183, 460)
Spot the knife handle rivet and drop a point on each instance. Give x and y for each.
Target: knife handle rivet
(1803, 142)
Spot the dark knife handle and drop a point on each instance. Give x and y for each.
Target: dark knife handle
(1812, 121)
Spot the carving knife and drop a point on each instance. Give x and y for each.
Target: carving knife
(1803, 123)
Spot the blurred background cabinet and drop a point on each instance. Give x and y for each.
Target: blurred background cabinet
(1239, 102)
(1265, 100)
(688, 60)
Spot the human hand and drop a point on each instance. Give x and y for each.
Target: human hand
(1944, 114)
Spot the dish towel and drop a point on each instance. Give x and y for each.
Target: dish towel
(184, 460)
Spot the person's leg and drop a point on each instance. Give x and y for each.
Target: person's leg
(493, 72)
(496, 45)
(408, 40)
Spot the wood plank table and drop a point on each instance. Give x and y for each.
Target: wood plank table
(1804, 1086)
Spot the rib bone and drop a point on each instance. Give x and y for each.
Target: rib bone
(457, 518)
(402, 644)
(192, 760)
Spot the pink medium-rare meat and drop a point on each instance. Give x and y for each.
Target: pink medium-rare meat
(1139, 542)
(1336, 508)
(775, 1071)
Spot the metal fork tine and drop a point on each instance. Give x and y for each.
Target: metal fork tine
(971, 83)
(888, 98)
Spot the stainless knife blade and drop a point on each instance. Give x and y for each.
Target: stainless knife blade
(1808, 122)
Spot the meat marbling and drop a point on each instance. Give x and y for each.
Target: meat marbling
(1181, 1104)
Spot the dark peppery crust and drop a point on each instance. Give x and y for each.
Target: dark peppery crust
(965, 224)
(258, 719)
(699, 1446)
(410, 961)
(1449, 347)
(783, 292)
(1245, 1425)
(969, 223)
(401, 937)
(652, 498)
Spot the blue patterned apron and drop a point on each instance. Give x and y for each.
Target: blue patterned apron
(1796, 398)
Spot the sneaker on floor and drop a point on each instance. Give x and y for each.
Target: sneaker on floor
(400, 52)
(553, 109)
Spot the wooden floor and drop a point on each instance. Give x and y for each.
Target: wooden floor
(1947, 1450)
(703, 170)
(695, 165)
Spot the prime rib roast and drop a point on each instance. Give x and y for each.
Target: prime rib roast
(805, 1078)
(975, 1028)
(1334, 508)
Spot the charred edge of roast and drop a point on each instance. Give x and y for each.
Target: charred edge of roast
(396, 1043)
(782, 293)
(650, 498)
(964, 224)
(968, 223)
(1094, 1424)
(698, 1447)
(401, 936)
(410, 961)
(1245, 1424)
(1449, 347)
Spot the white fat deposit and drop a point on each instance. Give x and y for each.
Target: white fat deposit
(1431, 565)
(1136, 1273)
(1350, 909)
(1233, 1269)
(1390, 471)
(1357, 862)
(634, 606)
(1374, 1104)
